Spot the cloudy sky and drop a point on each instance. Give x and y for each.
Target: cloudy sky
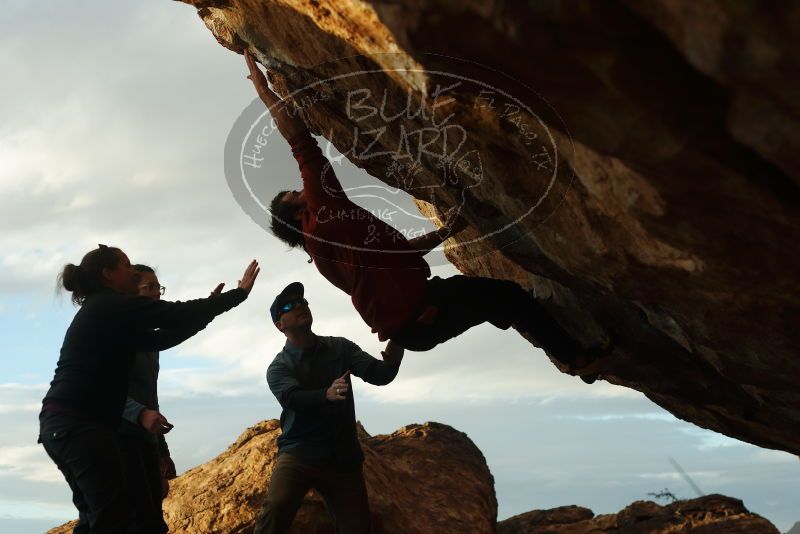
(113, 120)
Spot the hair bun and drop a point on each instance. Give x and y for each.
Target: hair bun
(86, 279)
(70, 277)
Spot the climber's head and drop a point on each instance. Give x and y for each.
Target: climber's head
(287, 209)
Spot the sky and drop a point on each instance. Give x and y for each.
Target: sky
(113, 122)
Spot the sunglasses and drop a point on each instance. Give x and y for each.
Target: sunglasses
(289, 306)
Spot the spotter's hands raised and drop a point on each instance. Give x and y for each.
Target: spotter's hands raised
(217, 290)
(249, 276)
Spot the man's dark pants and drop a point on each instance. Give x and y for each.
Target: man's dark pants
(466, 301)
(344, 493)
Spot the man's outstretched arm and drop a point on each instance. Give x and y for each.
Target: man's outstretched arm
(367, 368)
(287, 119)
(425, 243)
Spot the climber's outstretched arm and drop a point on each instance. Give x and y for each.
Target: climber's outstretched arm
(287, 118)
(453, 225)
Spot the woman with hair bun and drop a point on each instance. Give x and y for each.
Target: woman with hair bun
(83, 407)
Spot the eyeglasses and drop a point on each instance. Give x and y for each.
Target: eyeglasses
(289, 306)
(153, 287)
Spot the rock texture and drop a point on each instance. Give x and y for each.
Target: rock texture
(421, 479)
(710, 514)
(636, 163)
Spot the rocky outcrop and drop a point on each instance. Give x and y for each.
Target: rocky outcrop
(420, 479)
(634, 163)
(710, 514)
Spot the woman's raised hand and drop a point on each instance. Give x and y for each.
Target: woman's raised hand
(249, 276)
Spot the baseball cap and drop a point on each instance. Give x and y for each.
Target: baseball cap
(293, 290)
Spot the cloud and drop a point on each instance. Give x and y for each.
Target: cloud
(28, 463)
(27, 407)
(695, 475)
(87, 166)
(653, 416)
(18, 400)
(21, 398)
(775, 457)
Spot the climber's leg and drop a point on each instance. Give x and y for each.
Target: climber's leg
(453, 310)
(535, 321)
(466, 301)
(462, 302)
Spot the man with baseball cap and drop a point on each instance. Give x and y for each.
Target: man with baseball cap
(318, 447)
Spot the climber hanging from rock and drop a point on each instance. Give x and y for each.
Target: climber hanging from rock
(385, 274)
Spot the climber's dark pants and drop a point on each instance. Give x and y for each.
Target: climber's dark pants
(344, 493)
(462, 302)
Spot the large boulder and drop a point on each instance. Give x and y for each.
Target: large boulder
(633, 163)
(419, 478)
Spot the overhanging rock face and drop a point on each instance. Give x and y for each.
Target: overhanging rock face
(634, 163)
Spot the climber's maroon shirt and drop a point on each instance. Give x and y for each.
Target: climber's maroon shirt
(356, 251)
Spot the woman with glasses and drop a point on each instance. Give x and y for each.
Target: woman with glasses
(146, 458)
(83, 407)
